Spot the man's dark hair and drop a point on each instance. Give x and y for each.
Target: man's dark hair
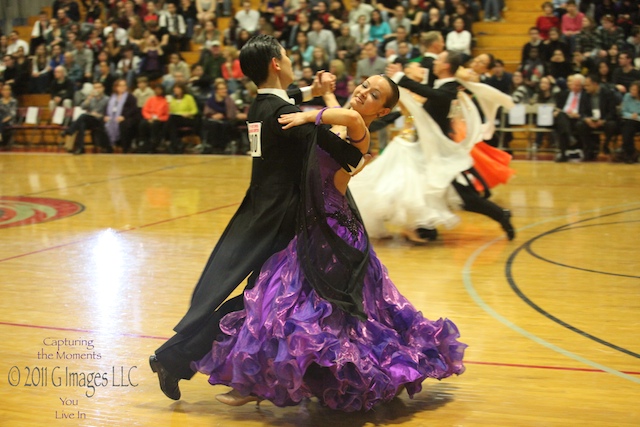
(454, 59)
(492, 61)
(594, 78)
(499, 62)
(256, 55)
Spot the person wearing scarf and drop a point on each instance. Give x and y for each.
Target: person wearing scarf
(121, 117)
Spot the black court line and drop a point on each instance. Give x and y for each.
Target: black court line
(509, 275)
(132, 175)
(541, 258)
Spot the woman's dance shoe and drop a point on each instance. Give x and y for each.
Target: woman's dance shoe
(234, 398)
(413, 237)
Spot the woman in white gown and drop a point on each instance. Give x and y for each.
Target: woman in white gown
(408, 185)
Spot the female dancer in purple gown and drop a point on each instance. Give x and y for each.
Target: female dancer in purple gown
(324, 320)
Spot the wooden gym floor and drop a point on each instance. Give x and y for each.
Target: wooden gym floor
(99, 255)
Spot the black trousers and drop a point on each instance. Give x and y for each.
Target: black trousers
(591, 142)
(150, 134)
(565, 128)
(180, 350)
(474, 202)
(175, 123)
(83, 123)
(218, 134)
(629, 130)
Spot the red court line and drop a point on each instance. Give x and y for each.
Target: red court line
(468, 362)
(118, 232)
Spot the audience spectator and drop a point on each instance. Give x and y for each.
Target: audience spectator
(338, 69)
(247, 17)
(94, 106)
(633, 42)
(553, 43)
(359, 8)
(121, 118)
(399, 19)
(379, 30)
(545, 93)
(604, 76)
(492, 10)
(580, 64)
(15, 42)
(231, 71)
(94, 42)
(221, 116)
(571, 24)
(57, 56)
(61, 89)
(136, 31)
(500, 79)
(608, 34)
(280, 24)
(93, 10)
(205, 10)
(84, 58)
(120, 34)
(183, 112)
(152, 54)
(587, 39)
(207, 34)
(320, 60)
(630, 123)
(625, 74)
(8, 114)
(436, 21)
(231, 33)
(534, 41)
(547, 21)
(74, 72)
(40, 28)
(361, 31)
(21, 73)
(128, 66)
(142, 92)
(176, 65)
(401, 36)
(55, 35)
(371, 64)
(571, 107)
(155, 114)
(602, 116)
(113, 49)
(189, 13)
(151, 13)
(105, 76)
(520, 92)
(212, 60)
(40, 71)
(324, 39)
(416, 14)
(175, 26)
(459, 40)
(199, 85)
(346, 47)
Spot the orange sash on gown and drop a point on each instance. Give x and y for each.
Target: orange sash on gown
(491, 163)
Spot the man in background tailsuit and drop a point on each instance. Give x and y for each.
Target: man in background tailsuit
(265, 221)
(438, 105)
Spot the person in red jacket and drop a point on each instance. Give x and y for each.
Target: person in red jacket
(155, 114)
(547, 21)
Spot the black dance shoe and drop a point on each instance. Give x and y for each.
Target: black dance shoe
(429, 234)
(168, 383)
(78, 151)
(505, 222)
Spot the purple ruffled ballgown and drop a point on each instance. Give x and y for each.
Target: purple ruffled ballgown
(288, 343)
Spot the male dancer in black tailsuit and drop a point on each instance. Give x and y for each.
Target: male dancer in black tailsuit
(438, 104)
(265, 221)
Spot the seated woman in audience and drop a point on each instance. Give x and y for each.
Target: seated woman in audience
(319, 60)
(630, 123)
(183, 112)
(547, 21)
(8, 113)
(143, 92)
(121, 118)
(176, 65)
(231, 70)
(545, 93)
(152, 59)
(155, 114)
(342, 92)
(54, 35)
(459, 40)
(380, 29)
(95, 42)
(520, 92)
(553, 43)
(40, 70)
(220, 126)
(136, 32)
(207, 34)
(302, 45)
